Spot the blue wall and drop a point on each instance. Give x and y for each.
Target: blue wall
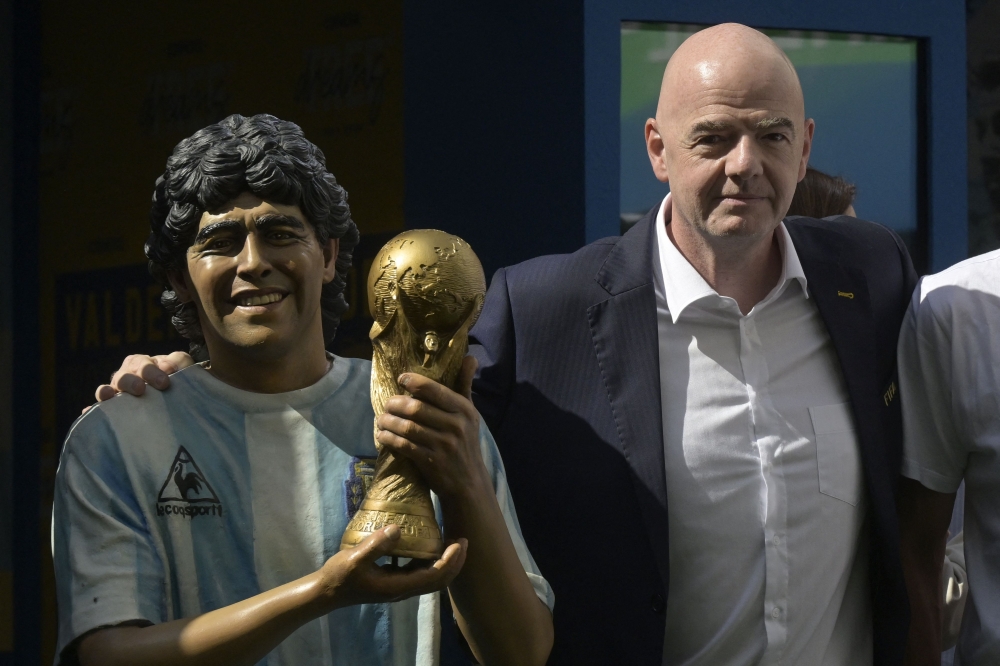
(493, 125)
(512, 122)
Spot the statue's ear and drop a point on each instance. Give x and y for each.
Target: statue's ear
(179, 283)
(330, 252)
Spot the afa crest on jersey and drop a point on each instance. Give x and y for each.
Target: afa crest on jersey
(359, 480)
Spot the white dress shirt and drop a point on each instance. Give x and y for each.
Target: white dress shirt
(949, 382)
(765, 493)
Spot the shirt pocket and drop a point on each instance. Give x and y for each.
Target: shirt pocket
(837, 458)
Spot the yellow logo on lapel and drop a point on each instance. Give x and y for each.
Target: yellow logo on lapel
(846, 294)
(889, 394)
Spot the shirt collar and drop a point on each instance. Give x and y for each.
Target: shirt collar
(682, 285)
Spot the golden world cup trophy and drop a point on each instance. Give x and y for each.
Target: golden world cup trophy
(425, 291)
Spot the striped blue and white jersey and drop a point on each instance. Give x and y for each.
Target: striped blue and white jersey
(177, 503)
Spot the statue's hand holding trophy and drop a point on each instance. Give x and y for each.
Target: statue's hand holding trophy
(425, 291)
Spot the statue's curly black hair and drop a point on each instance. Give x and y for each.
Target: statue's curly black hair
(263, 155)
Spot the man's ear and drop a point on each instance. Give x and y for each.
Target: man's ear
(654, 148)
(810, 128)
(179, 283)
(330, 252)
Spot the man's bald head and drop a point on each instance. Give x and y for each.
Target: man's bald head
(730, 134)
(725, 54)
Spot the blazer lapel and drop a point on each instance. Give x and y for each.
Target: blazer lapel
(844, 304)
(623, 328)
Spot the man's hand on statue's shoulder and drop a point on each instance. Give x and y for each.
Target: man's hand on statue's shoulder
(438, 429)
(138, 370)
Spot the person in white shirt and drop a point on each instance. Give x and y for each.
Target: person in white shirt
(202, 525)
(949, 371)
(774, 366)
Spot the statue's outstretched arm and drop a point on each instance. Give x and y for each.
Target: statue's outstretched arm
(246, 631)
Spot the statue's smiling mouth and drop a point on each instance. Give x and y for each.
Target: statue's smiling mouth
(259, 300)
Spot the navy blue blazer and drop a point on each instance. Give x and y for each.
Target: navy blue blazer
(569, 384)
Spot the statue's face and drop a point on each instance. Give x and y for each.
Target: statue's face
(255, 272)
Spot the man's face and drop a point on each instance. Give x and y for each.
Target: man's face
(255, 273)
(732, 142)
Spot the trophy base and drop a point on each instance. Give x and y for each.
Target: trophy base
(421, 536)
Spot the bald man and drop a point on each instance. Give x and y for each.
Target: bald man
(699, 418)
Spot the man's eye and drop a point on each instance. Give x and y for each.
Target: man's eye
(280, 235)
(219, 244)
(777, 137)
(709, 140)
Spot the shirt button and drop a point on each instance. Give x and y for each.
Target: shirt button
(658, 604)
(777, 542)
(775, 613)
